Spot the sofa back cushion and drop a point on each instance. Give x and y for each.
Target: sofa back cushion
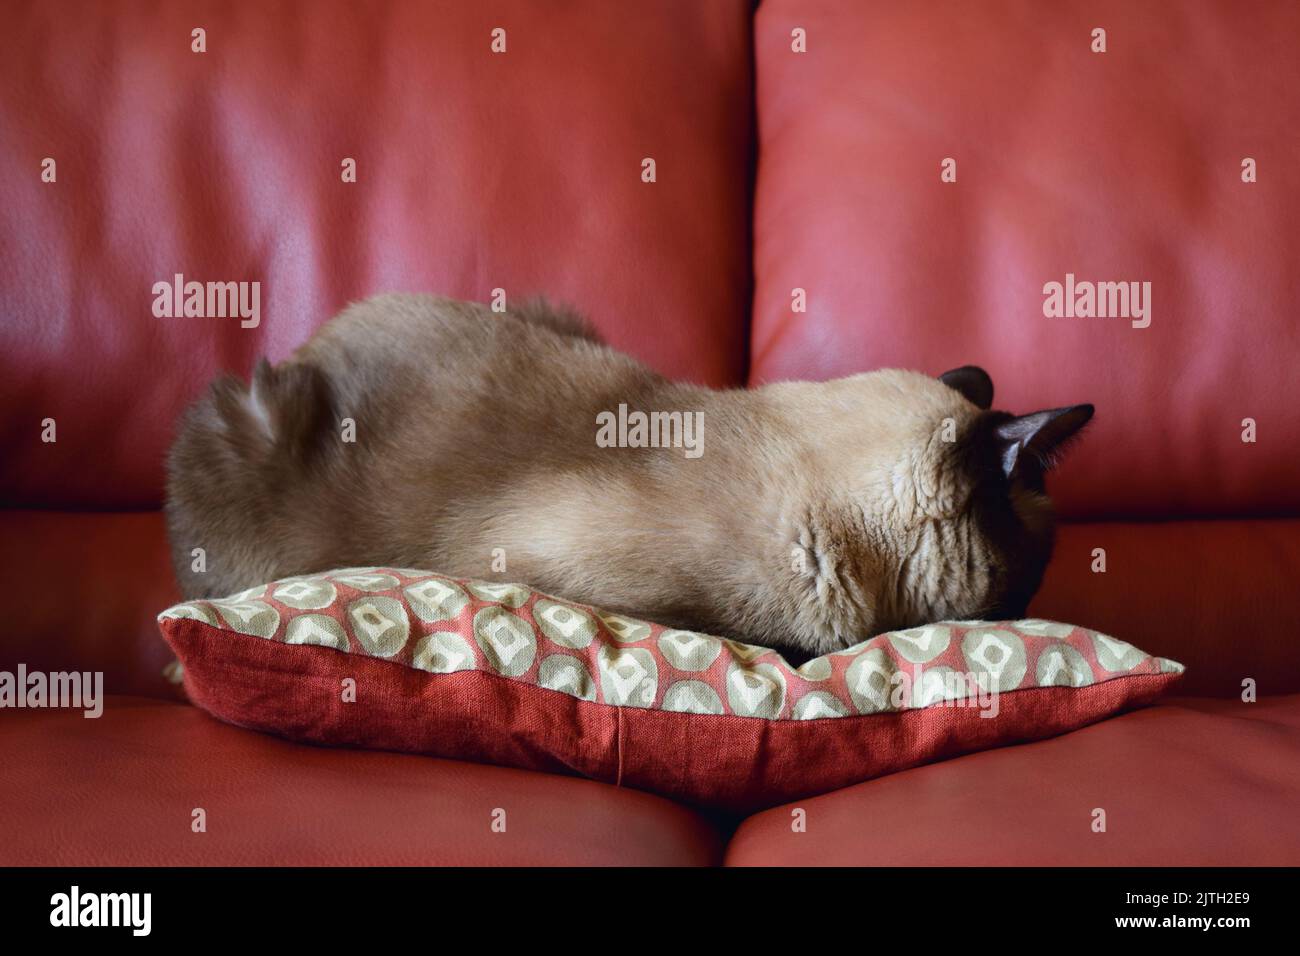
(475, 170)
(1116, 166)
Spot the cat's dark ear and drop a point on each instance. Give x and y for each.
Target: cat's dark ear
(973, 382)
(1041, 435)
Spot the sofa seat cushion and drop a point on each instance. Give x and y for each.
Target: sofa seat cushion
(126, 785)
(1191, 782)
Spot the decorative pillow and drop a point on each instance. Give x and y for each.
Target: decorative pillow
(416, 662)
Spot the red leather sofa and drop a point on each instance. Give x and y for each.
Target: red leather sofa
(775, 170)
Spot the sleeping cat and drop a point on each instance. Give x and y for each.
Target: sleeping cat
(817, 515)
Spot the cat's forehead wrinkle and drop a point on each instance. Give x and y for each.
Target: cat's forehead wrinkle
(927, 481)
(942, 565)
(829, 580)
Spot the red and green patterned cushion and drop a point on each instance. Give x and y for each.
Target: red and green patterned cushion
(418, 662)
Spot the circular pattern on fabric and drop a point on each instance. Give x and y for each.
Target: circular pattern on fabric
(625, 630)
(886, 673)
(1060, 665)
(688, 651)
(507, 640)
(1041, 628)
(369, 581)
(379, 624)
(1116, 655)
(193, 612)
(996, 657)
(565, 625)
(692, 697)
(756, 690)
(854, 650)
(443, 652)
(870, 681)
(819, 704)
(306, 594)
(817, 669)
(436, 600)
(629, 676)
(249, 617)
(745, 652)
(937, 684)
(568, 675)
(510, 595)
(920, 645)
(318, 629)
(882, 674)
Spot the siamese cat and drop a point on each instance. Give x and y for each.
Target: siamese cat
(813, 515)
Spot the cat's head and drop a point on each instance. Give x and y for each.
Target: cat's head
(932, 505)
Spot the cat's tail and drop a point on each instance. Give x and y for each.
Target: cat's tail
(279, 416)
(240, 453)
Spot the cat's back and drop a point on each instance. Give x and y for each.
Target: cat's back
(402, 328)
(451, 352)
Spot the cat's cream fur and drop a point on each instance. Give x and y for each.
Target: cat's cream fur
(819, 513)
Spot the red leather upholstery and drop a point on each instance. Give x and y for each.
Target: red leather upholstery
(1218, 596)
(522, 171)
(91, 586)
(1188, 783)
(125, 786)
(1123, 165)
(475, 171)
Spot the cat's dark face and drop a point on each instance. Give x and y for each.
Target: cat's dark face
(1014, 527)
